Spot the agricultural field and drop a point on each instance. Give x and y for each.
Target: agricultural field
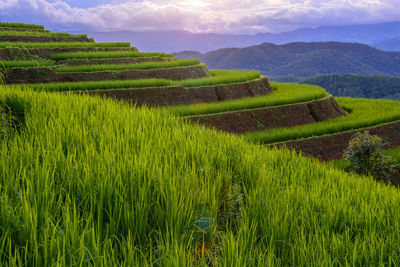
(137, 66)
(103, 167)
(62, 45)
(362, 113)
(107, 55)
(217, 77)
(204, 203)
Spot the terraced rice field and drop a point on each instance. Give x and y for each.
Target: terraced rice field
(92, 181)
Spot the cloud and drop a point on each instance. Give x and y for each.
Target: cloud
(198, 15)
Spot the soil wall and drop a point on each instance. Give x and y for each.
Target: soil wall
(272, 117)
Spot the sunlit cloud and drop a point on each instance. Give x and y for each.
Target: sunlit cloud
(198, 15)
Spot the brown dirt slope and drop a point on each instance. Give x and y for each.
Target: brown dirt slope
(272, 117)
(179, 95)
(47, 75)
(331, 147)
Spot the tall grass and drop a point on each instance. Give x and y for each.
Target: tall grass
(102, 85)
(60, 45)
(219, 77)
(363, 113)
(24, 63)
(40, 33)
(135, 66)
(20, 25)
(106, 55)
(284, 93)
(222, 77)
(92, 182)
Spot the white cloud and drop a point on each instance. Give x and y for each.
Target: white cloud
(200, 15)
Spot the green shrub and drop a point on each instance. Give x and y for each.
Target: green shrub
(364, 156)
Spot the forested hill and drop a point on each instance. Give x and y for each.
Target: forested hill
(356, 85)
(302, 59)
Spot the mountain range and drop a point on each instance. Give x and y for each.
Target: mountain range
(384, 36)
(302, 59)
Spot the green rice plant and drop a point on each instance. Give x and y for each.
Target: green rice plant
(21, 25)
(393, 153)
(25, 63)
(222, 77)
(39, 33)
(362, 113)
(136, 66)
(94, 182)
(61, 45)
(102, 85)
(284, 93)
(105, 55)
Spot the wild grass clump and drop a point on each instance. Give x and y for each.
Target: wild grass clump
(21, 25)
(362, 113)
(7, 64)
(62, 45)
(106, 55)
(283, 94)
(95, 182)
(364, 156)
(136, 66)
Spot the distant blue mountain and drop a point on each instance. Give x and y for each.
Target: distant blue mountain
(302, 59)
(173, 41)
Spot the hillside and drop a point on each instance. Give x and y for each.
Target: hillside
(356, 85)
(392, 44)
(172, 41)
(114, 157)
(303, 59)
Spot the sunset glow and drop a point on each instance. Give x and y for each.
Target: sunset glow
(247, 16)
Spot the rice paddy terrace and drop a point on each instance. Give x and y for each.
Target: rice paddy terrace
(89, 181)
(48, 61)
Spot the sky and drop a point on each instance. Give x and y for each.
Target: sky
(220, 16)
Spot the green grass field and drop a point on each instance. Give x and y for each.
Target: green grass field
(136, 66)
(21, 25)
(106, 55)
(218, 77)
(283, 94)
(7, 64)
(93, 182)
(61, 45)
(40, 33)
(362, 113)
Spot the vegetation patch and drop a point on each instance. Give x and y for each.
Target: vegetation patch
(106, 55)
(94, 182)
(218, 77)
(60, 44)
(7, 64)
(282, 94)
(362, 113)
(40, 33)
(364, 156)
(272, 117)
(137, 66)
(12, 114)
(20, 25)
